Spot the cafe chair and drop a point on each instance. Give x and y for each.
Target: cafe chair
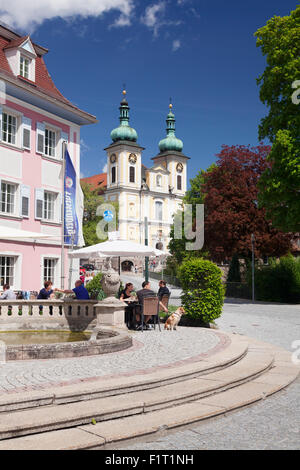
(151, 308)
(165, 300)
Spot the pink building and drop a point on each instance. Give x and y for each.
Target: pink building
(35, 120)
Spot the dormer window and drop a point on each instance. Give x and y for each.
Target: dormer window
(21, 56)
(24, 67)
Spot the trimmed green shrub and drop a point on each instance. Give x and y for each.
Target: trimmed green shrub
(94, 287)
(203, 290)
(279, 282)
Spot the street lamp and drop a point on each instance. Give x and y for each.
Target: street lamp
(253, 265)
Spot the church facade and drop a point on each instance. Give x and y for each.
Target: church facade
(154, 193)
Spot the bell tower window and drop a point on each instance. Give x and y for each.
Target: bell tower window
(113, 175)
(179, 183)
(132, 174)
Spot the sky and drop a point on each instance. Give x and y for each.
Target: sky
(200, 53)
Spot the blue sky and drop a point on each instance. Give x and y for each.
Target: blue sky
(201, 53)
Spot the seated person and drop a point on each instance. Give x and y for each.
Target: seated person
(47, 292)
(80, 291)
(163, 290)
(142, 294)
(129, 309)
(126, 293)
(8, 293)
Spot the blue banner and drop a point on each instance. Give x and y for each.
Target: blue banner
(71, 220)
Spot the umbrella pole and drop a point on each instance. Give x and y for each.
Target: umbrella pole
(147, 257)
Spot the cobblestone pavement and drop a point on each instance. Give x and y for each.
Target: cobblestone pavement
(269, 424)
(152, 349)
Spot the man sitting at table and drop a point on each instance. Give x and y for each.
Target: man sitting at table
(142, 294)
(80, 291)
(8, 293)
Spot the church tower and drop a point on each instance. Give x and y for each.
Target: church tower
(124, 173)
(172, 158)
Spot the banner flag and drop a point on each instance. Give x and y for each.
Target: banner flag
(71, 228)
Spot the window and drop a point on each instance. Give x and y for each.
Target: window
(24, 67)
(49, 269)
(9, 128)
(132, 174)
(49, 205)
(113, 174)
(50, 142)
(7, 270)
(8, 197)
(158, 210)
(179, 182)
(158, 181)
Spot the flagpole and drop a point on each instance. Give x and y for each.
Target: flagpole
(63, 217)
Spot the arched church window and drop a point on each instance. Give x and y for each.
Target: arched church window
(132, 174)
(158, 210)
(179, 182)
(113, 174)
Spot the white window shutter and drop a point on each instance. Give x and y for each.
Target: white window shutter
(39, 203)
(26, 134)
(40, 137)
(64, 138)
(25, 201)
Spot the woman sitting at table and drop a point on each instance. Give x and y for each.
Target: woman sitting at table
(126, 293)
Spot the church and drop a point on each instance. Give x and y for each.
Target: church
(155, 193)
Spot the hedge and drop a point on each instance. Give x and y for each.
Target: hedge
(203, 290)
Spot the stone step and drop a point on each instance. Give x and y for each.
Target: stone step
(129, 383)
(116, 430)
(54, 417)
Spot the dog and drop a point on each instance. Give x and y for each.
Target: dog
(174, 319)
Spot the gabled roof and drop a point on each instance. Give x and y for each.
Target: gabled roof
(43, 81)
(96, 182)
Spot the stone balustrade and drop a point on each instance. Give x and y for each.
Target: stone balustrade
(31, 314)
(77, 315)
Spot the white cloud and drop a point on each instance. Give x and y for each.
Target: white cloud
(152, 14)
(104, 169)
(29, 14)
(176, 45)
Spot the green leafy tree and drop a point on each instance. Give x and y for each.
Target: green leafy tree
(279, 187)
(92, 201)
(234, 273)
(194, 196)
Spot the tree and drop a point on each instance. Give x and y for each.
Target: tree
(90, 221)
(279, 187)
(194, 196)
(231, 209)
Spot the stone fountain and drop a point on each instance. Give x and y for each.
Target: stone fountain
(110, 311)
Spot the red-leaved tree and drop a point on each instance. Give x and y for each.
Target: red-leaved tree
(231, 208)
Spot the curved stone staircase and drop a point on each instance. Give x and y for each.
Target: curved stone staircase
(101, 412)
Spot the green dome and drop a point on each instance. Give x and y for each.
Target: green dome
(170, 143)
(124, 131)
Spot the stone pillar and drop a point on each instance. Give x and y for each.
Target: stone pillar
(110, 312)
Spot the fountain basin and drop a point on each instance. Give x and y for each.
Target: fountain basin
(49, 344)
